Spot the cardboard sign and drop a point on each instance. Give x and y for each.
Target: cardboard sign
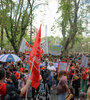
(56, 50)
(44, 47)
(62, 66)
(84, 62)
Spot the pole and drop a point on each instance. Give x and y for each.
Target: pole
(30, 76)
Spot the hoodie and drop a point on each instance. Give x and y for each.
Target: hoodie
(2, 90)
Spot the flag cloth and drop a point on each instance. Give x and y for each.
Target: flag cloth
(35, 54)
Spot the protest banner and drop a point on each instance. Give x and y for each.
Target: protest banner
(84, 62)
(25, 47)
(44, 47)
(55, 49)
(62, 66)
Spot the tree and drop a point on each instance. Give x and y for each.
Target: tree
(15, 21)
(2, 5)
(71, 22)
(16, 18)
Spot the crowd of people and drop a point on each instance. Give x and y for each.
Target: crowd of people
(73, 84)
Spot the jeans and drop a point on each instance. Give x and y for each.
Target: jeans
(61, 96)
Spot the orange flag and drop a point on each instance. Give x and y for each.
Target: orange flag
(35, 64)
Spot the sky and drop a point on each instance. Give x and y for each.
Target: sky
(47, 18)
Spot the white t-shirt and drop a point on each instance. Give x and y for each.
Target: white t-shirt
(51, 68)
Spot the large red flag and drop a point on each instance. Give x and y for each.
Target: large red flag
(34, 61)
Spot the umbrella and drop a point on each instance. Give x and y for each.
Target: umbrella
(9, 58)
(1, 56)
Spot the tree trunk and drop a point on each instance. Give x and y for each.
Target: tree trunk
(63, 30)
(2, 37)
(15, 49)
(73, 29)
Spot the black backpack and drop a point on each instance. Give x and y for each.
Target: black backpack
(12, 96)
(12, 93)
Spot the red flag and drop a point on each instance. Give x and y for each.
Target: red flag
(35, 54)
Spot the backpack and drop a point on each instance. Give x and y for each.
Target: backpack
(12, 94)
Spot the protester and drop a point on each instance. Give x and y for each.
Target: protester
(70, 96)
(26, 64)
(62, 87)
(51, 67)
(12, 78)
(84, 80)
(78, 77)
(4, 87)
(22, 68)
(76, 83)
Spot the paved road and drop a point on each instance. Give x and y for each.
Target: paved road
(54, 95)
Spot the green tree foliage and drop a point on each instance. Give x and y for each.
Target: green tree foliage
(72, 22)
(53, 41)
(14, 19)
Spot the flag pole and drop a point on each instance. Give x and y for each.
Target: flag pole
(30, 76)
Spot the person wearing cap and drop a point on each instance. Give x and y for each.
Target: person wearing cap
(51, 67)
(53, 70)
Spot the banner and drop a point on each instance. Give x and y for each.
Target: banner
(84, 61)
(56, 49)
(44, 47)
(25, 47)
(62, 66)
